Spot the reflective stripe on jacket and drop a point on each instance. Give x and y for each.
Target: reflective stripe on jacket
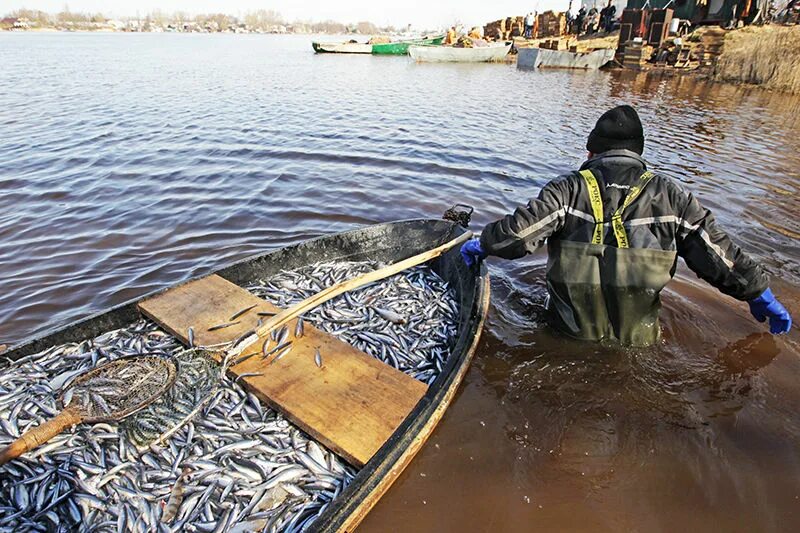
(605, 279)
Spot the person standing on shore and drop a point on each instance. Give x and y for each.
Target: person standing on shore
(529, 22)
(593, 19)
(579, 21)
(614, 231)
(611, 14)
(603, 14)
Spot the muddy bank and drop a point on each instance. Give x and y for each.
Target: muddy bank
(767, 56)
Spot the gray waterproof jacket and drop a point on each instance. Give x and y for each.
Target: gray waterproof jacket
(605, 278)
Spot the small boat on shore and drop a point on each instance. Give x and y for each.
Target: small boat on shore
(350, 47)
(308, 485)
(400, 48)
(452, 54)
(545, 58)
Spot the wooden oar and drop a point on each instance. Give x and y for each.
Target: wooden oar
(359, 281)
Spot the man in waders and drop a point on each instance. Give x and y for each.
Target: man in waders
(614, 231)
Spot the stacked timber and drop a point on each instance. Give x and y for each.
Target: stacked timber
(505, 29)
(552, 24)
(495, 30)
(516, 26)
(636, 54)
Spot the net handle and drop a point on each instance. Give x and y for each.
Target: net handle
(40, 434)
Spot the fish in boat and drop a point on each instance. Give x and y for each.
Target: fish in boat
(249, 449)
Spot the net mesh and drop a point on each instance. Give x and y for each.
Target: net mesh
(197, 377)
(119, 387)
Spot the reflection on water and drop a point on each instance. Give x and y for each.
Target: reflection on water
(131, 162)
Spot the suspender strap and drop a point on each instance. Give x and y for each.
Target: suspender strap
(597, 205)
(616, 219)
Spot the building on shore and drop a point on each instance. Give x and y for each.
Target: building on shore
(722, 12)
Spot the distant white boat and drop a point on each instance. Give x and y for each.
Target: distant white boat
(451, 54)
(545, 58)
(341, 48)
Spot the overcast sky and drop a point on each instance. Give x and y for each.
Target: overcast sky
(420, 13)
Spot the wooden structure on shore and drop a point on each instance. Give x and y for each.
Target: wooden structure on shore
(548, 24)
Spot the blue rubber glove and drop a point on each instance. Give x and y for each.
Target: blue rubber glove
(472, 252)
(767, 306)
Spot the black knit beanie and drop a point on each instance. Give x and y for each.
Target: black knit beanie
(618, 129)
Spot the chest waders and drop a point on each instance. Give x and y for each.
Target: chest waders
(602, 291)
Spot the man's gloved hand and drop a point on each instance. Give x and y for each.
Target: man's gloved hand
(472, 252)
(767, 306)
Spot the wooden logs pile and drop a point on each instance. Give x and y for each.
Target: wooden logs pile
(552, 24)
(505, 29)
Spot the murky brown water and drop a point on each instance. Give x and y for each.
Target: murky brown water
(131, 162)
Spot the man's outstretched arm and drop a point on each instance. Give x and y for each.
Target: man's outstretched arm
(528, 227)
(711, 254)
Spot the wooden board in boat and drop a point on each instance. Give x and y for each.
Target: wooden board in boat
(352, 404)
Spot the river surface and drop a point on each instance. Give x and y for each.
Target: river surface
(132, 162)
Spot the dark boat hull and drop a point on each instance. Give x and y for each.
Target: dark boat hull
(388, 243)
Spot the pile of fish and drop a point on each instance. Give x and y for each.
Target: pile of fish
(235, 465)
(408, 321)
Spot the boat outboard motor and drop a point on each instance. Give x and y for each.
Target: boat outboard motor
(459, 213)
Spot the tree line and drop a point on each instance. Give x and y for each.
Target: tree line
(262, 19)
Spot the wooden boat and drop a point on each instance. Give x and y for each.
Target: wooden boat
(544, 58)
(400, 48)
(387, 243)
(451, 54)
(342, 48)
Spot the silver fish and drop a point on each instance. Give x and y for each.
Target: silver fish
(239, 313)
(223, 326)
(268, 471)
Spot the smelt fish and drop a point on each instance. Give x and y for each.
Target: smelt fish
(278, 347)
(284, 352)
(239, 313)
(390, 316)
(243, 358)
(318, 358)
(222, 326)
